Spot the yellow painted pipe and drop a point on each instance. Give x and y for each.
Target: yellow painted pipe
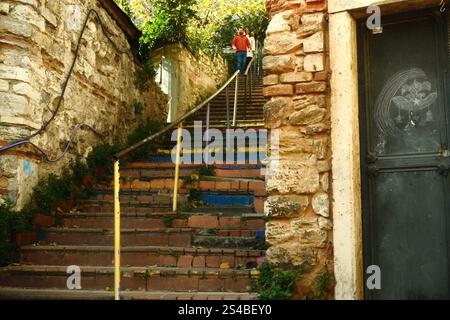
(116, 231)
(177, 168)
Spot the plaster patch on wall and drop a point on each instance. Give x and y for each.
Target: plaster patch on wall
(26, 167)
(73, 18)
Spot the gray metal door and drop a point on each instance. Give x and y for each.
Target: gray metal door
(405, 157)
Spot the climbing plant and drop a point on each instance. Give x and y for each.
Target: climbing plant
(76, 181)
(168, 23)
(219, 20)
(125, 6)
(275, 284)
(11, 222)
(141, 132)
(206, 25)
(48, 192)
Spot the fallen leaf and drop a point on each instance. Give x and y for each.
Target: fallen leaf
(224, 265)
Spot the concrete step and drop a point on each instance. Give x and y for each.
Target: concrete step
(240, 123)
(257, 105)
(8, 293)
(229, 242)
(155, 173)
(158, 221)
(177, 237)
(167, 163)
(220, 117)
(149, 174)
(132, 278)
(154, 203)
(139, 256)
(162, 205)
(236, 175)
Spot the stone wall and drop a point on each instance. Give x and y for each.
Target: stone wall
(299, 231)
(193, 78)
(37, 44)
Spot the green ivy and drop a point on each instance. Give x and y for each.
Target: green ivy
(138, 107)
(323, 281)
(99, 161)
(231, 60)
(168, 24)
(11, 222)
(140, 133)
(206, 171)
(145, 74)
(124, 5)
(275, 284)
(68, 186)
(168, 220)
(71, 185)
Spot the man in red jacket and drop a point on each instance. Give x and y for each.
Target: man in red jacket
(241, 44)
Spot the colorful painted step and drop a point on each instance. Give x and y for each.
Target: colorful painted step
(204, 251)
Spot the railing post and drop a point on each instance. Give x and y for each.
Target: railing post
(208, 110)
(246, 94)
(177, 168)
(228, 106)
(251, 92)
(235, 100)
(117, 274)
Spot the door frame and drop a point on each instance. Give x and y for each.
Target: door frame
(345, 136)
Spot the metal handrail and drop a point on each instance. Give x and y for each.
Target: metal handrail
(122, 153)
(27, 140)
(179, 123)
(44, 154)
(117, 156)
(249, 66)
(248, 97)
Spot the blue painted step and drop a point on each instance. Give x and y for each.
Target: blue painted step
(159, 159)
(217, 199)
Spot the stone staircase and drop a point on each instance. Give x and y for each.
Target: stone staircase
(209, 249)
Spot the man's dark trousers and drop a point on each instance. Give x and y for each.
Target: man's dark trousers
(241, 61)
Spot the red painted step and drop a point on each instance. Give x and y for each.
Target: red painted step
(139, 256)
(225, 222)
(129, 237)
(8, 293)
(245, 221)
(132, 278)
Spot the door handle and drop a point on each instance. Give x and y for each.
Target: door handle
(373, 170)
(371, 158)
(445, 153)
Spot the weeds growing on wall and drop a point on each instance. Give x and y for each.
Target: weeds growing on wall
(231, 60)
(275, 284)
(99, 160)
(168, 23)
(140, 133)
(206, 171)
(67, 187)
(11, 222)
(56, 193)
(47, 198)
(145, 74)
(200, 25)
(324, 285)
